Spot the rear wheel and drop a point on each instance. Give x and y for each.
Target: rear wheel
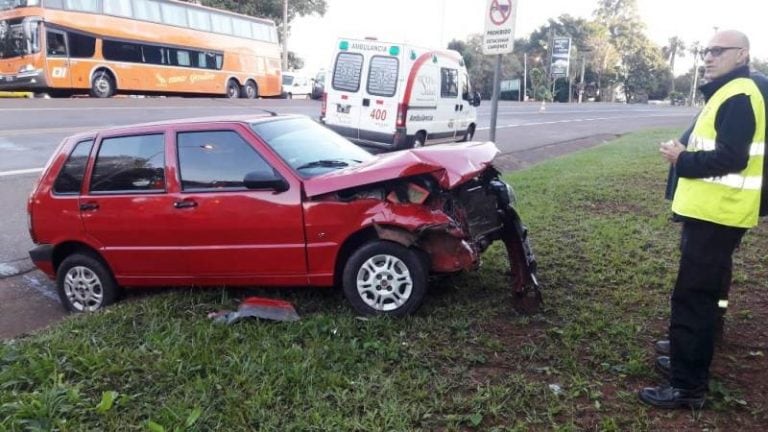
(418, 140)
(384, 278)
(85, 284)
(250, 90)
(233, 89)
(102, 84)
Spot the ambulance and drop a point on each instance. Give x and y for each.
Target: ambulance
(396, 96)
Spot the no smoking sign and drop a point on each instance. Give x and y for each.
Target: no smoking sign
(499, 26)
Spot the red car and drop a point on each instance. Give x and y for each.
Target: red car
(267, 201)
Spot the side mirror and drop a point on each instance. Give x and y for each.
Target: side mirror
(476, 99)
(265, 180)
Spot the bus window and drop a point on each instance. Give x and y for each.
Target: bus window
(221, 23)
(122, 51)
(199, 20)
(83, 5)
(81, 46)
(152, 54)
(174, 15)
(147, 10)
(56, 45)
(117, 7)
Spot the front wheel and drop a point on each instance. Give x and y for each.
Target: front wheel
(85, 284)
(384, 278)
(469, 134)
(418, 140)
(102, 85)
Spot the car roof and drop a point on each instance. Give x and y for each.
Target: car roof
(243, 118)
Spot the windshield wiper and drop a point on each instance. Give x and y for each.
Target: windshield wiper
(327, 163)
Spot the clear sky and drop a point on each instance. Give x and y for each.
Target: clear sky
(433, 23)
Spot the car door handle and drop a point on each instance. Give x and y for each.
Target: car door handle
(89, 206)
(185, 204)
(366, 102)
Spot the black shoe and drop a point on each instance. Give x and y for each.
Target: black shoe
(664, 366)
(662, 347)
(670, 398)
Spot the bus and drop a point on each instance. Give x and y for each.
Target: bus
(154, 47)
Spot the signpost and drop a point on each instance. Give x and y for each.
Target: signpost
(498, 39)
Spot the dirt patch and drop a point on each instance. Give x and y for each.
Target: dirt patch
(522, 158)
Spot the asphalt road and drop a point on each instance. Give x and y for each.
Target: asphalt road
(30, 130)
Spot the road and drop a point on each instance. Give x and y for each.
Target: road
(32, 128)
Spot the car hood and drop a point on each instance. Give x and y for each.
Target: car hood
(450, 164)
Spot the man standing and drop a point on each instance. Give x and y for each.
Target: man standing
(718, 199)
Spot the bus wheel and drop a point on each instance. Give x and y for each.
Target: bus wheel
(102, 84)
(233, 89)
(250, 90)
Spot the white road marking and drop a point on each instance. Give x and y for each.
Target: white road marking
(20, 172)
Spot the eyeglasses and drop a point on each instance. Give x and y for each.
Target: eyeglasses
(716, 51)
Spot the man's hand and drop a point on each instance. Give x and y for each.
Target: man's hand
(670, 150)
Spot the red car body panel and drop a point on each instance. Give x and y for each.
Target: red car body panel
(452, 165)
(293, 237)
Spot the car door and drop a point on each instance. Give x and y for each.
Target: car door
(127, 211)
(380, 112)
(231, 233)
(448, 106)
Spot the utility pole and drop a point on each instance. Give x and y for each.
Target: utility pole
(695, 73)
(285, 35)
(581, 84)
(525, 77)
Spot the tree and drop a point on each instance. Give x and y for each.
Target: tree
(760, 65)
(294, 62)
(676, 48)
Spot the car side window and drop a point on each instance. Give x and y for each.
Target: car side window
(70, 178)
(130, 164)
(216, 160)
(449, 83)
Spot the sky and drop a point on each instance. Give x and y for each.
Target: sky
(434, 23)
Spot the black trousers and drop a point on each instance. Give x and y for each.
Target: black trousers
(704, 273)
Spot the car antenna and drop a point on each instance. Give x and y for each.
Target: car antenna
(271, 113)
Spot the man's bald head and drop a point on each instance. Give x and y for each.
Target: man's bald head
(726, 51)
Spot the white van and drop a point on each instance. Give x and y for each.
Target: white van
(397, 96)
(296, 85)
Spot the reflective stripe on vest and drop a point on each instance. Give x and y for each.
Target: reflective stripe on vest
(732, 199)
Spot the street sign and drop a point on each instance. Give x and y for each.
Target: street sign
(561, 57)
(499, 35)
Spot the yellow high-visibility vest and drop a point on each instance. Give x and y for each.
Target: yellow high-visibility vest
(733, 199)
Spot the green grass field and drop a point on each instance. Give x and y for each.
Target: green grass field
(466, 361)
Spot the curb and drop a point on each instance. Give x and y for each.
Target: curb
(10, 94)
(15, 268)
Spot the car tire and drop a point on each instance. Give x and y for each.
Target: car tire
(385, 278)
(85, 284)
(233, 89)
(102, 84)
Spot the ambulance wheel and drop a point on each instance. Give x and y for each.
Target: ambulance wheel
(289, 96)
(418, 140)
(469, 134)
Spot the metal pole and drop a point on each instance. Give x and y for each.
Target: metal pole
(495, 97)
(581, 85)
(695, 75)
(285, 35)
(525, 77)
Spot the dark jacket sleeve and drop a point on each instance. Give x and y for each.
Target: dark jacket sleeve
(735, 125)
(672, 177)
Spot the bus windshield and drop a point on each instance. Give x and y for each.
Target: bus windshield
(12, 4)
(19, 37)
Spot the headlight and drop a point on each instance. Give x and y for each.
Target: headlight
(504, 193)
(26, 68)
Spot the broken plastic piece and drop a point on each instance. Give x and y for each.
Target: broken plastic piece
(259, 307)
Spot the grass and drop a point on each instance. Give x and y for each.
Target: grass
(607, 257)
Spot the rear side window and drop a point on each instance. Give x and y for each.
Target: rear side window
(130, 164)
(449, 83)
(81, 46)
(70, 177)
(382, 76)
(347, 71)
(215, 160)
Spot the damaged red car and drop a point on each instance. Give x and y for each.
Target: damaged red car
(267, 201)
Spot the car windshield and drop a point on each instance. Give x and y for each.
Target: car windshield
(287, 80)
(308, 147)
(19, 37)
